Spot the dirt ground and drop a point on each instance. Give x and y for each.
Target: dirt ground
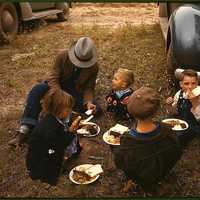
(114, 15)
(126, 35)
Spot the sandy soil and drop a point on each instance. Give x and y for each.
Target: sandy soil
(114, 14)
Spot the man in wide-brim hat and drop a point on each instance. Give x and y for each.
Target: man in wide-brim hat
(75, 72)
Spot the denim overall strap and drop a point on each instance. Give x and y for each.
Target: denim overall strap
(183, 106)
(184, 110)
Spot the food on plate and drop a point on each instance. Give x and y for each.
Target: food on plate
(112, 139)
(183, 125)
(176, 124)
(119, 128)
(91, 128)
(114, 133)
(88, 129)
(81, 176)
(86, 174)
(94, 170)
(112, 136)
(178, 127)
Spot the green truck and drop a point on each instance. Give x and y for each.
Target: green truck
(15, 14)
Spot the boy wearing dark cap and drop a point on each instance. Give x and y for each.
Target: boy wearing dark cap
(150, 150)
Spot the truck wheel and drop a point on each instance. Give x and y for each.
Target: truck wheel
(8, 22)
(171, 67)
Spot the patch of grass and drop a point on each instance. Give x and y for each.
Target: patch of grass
(139, 48)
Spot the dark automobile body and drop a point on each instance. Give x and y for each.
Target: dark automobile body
(182, 34)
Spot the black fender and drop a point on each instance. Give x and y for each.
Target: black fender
(184, 36)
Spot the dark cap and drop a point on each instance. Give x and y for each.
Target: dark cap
(143, 103)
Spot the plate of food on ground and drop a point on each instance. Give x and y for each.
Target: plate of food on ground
(112, 136)
(88, 129)
(176, 124)
(85, 174)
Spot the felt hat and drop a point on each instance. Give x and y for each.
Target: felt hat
(83, 53)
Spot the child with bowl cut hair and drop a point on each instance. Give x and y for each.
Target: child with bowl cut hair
(117, 99)
(52, 137)
(150, 150)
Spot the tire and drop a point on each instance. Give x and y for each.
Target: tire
(9, 22)
(172, 65)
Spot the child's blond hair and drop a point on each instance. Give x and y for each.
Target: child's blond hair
(56, 101)
(127, 75)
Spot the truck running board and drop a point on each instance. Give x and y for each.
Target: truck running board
(41, 14)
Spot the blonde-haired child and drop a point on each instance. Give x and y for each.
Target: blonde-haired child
(117, 99)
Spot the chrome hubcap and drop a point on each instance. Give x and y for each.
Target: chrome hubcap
(7, 21)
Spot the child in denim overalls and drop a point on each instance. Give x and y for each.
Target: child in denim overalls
(186, 106)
